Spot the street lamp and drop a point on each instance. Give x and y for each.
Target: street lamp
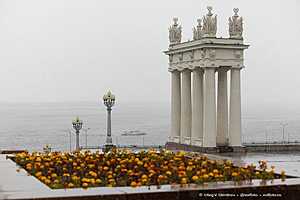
(109, 101)
(47, 148)
(86, 130)
(70, 139)
(283, 129)
(77, 125)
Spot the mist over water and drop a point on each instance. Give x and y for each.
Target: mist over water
(33, 125)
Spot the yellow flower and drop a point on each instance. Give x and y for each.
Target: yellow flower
(38, 174)
(195, 178)
(56, 181)
(205, 176)
(85, 180)
(228, 162)
(75, 178)
(111, 180)
(189, 168)
(144, 176)
(234, 174)
(109, 176)
(169, 173)
(133, 184)
(144, 181)
(183, 181)
(92, 181)
(29, 166)
(140, 168)
(140, 163)
(70, 185)
(93, 174)
(47, 181)
(98, 181)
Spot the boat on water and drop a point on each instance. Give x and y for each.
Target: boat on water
(133, 133)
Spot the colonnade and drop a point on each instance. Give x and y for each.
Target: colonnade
(199, 109)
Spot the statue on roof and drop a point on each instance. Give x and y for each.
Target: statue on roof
(236, 25)
(175, 32)
(209, 28)
(197, 31)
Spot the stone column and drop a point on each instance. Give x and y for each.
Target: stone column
(209, 108)
(197, 107)
(235, 108)
(222, 108)
(175, 106)
(186, 109)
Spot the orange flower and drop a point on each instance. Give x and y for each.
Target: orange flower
(123, 167)
(85, 185)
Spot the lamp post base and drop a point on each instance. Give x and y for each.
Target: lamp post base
(108, 146)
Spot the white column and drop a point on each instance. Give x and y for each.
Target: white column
(186, 109)
(197, 107)
(235, 108)
(222, 108)
(209, 108)
(175, 106)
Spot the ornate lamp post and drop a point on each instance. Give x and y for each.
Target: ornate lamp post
(47, 148)
(283, 131)
(77, 125)
(86, 131)
(109, 101)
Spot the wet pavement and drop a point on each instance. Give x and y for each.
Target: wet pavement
(18, 185)
(287, 161)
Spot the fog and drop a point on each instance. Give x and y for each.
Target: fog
(75, 50)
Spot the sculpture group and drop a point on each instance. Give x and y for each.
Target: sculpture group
(209, 28)
(201, 114)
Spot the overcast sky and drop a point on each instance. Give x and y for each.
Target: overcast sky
(74, 50)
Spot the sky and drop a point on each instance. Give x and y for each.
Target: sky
(75, 50)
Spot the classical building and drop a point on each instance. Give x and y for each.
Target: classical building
(203, 112)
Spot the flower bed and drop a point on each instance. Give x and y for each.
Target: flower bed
(126, 168)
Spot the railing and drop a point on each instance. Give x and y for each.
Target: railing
(127, 146)
(91, 140)
(272, 143)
